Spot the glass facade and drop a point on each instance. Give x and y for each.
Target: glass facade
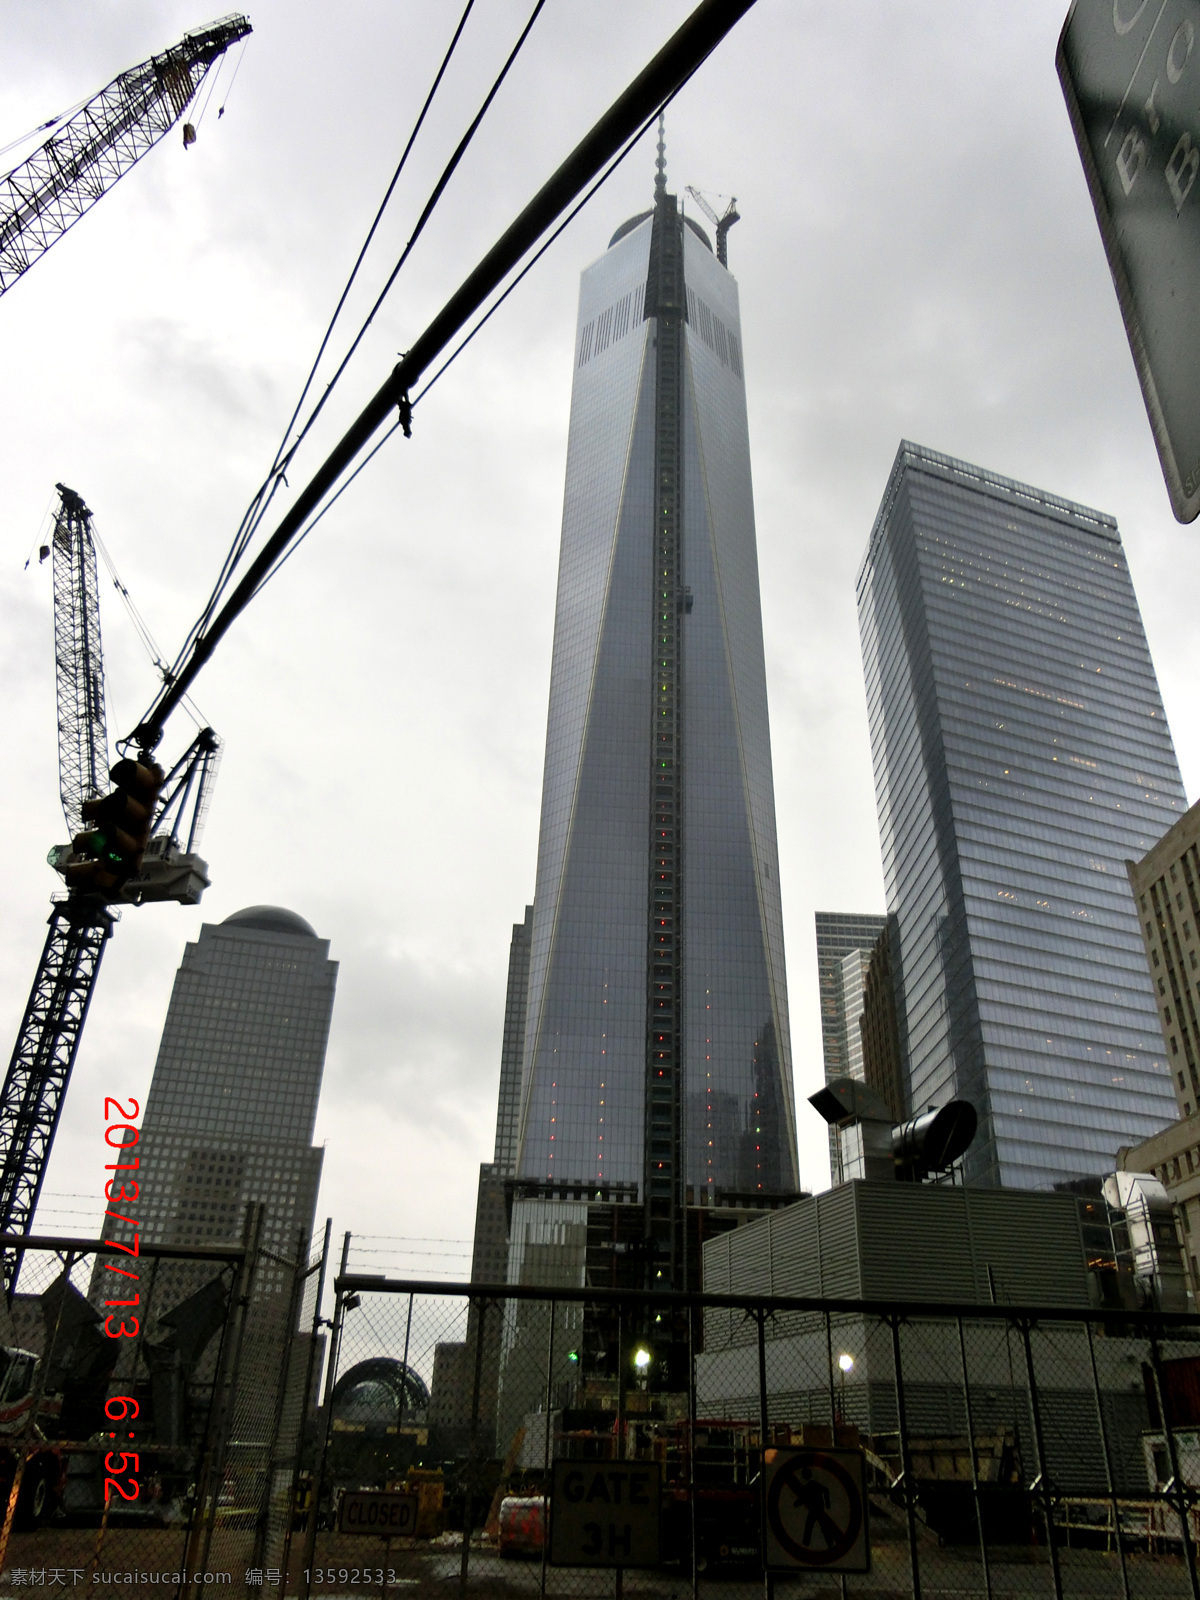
(584, 1089)
(233, 1100)
(1021, 754)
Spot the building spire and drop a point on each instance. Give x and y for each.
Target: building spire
(660, 165)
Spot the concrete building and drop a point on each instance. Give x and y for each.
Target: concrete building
(1021, 754)
(1173, 1157)
(1166, 887)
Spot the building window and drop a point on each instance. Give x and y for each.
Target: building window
(1175, 1052)
(1154, 955)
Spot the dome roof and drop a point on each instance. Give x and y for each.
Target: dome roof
(628, 227)
(271, 919)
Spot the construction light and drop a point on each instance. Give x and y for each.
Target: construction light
(846, 1362)
(573, 1357)
(641, 1358)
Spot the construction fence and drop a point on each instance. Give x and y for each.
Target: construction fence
(592, 1443)
(527, 1441)
(152, 1412)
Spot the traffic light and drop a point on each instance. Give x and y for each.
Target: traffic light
(110, 852)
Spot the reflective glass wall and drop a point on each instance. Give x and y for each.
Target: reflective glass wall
(583, 1093)
(1021, 754)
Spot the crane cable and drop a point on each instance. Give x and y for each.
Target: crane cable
(467, 338)
(284, 457)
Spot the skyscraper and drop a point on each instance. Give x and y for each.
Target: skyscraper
(1021, 754)
(230, 1113)
(841, 935)
(657, 1055)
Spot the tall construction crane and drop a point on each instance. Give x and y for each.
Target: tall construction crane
(130, 846)
(721, 223)
(82, 159)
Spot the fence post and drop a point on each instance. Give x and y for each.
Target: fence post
(473, 1445)
(905, 1481)
(305, 1399)
(212, 1472)
(1177, 1488)
(768, 1579)
(619, 1442)
(262, 1531)
(1108, 1471)
(546, 1452)
(1042, 1482)
(35, 1401)
(836, 1412)
(983, 1555)
(692, 1446)
(331, 1362)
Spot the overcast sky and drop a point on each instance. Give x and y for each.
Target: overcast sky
(917, 258)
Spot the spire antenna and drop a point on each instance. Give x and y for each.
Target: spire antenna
(660, 165)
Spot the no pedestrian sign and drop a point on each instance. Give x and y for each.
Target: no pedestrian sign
(817, 1510)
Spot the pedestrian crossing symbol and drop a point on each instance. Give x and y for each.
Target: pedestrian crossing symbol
(817, 1510)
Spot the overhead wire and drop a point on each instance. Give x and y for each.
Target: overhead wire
(467, 338)
(265, 494)
(258, 506)
(656, 86)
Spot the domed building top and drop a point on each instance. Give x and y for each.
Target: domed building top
(272, 919)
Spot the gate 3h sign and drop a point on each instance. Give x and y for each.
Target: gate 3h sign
(605, 1514)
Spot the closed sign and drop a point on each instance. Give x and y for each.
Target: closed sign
(605, 1514)
(378, 1513)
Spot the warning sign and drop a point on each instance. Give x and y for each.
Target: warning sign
(817, 1510)
(605, 1514)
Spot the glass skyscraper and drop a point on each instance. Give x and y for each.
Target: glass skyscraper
(230, 1113)
(1021, 753)
(657, 1057)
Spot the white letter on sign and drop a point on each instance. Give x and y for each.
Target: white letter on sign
(1122, 27)
(1131, 158)
(1181, 170)
(1185, 36)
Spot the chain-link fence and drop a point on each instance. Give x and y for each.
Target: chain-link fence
(583, 1443)
(153, 1409)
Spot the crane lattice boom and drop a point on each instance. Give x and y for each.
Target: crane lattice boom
(78, 659)
(45, 195)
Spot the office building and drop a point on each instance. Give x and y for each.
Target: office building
(1166, 889)
(1173, 1157)
(879, 1032)
(657, 1053)
(841, 935)
(228, 1121)
(1021, 754)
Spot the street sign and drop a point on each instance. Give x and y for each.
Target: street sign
(1130, 71)
(372, 1511)
(605, 1514)
(817, 1510)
